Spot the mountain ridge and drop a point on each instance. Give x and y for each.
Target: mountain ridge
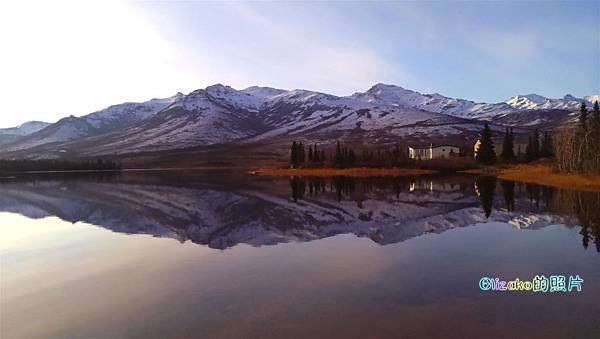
(220, 114)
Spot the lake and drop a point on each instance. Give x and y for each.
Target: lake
(168, 254)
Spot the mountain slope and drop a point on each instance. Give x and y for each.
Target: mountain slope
(106, 120)
(215, 115)
(535, 101)
(398, 96)
(221, 115)
(314, 115)
(9, 135)
(24, 129)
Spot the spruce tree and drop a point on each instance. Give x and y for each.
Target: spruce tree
(294, 154)
(338, 158)
(486, 154)
(301, 154)
(310, 153)
(508, 153)
(546, 149)
(583, 115)
(528, 151)
(535, 145)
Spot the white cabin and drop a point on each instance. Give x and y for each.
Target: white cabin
(432, 152)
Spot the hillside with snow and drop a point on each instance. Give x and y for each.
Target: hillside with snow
(400, 97)
(11, 134)
(222, 115)
(24, 129)
(72, 127)
(538, 102)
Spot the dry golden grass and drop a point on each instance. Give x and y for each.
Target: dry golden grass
(351, 172)
(543, 174)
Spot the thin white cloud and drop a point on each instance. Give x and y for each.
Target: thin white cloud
(63, 58)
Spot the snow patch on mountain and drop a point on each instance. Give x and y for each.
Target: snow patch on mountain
(129, 112)
(437, 103)
(538, 102)
(25, 128)
(263, 92)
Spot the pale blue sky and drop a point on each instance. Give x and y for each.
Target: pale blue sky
(114, 52)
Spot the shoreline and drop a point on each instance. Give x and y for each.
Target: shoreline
(543, 175)
(351, 172)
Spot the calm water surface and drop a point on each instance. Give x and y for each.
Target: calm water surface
(225, 255)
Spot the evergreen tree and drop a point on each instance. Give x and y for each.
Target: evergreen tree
(338, 158)
(301, 154)
(294, 154)
(547, 149)
(596, 114)
(535, 145)
(486, 154)
(583, 115)
(396, 154)
(310, 154)
(528, 151)
(508, 153)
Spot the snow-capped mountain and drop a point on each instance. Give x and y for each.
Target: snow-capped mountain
(398, 96)
(263, 92)
(320, 116)
(8, 135)
(24, 129)
(535, 101)
(217, 114)
(127, 113)
(220, 115)
(103, 121)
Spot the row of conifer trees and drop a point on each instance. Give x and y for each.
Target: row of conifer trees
(345, 156)
(539, 145)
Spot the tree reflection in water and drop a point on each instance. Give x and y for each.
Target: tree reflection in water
(484, 186)
(586, 207)
(582, 205)
(508, 189)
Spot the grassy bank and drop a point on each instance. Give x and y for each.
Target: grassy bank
(352, 172)
(543, 174)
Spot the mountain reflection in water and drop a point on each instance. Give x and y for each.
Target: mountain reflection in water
(223, 210)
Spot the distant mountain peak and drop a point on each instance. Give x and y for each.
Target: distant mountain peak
(264, 92)
(24, 128)
(219, 88)
(569, 97)
(534, 97)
